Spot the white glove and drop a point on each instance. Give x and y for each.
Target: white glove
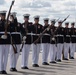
(4, 36)
(24, 38)
(23, 41)
(48, 29)
(53, 39)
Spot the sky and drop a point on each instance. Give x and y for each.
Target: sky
(52, 9)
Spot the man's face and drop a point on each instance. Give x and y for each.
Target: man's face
(52, 23)
(72, 26)
(59, 24)
(36, 20)
(2, 17)
(26, 19)
(66, 25)
(45, 22)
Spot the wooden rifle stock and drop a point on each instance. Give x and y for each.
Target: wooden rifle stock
(22, 46)
(14, 48)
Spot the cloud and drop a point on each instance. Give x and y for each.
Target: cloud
(70, 3)
(2, 2)
(44, 8)
(35, 4)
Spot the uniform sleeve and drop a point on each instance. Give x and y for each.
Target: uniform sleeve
(64, 31)
(15, 23)
(56, 30)
(41, 29)
(8, 29)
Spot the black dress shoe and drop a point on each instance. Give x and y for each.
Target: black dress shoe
(13, 69)
(24, 67)
(4, 72)
(45, 63)
(1, 72)
(71, 57)
(58, 60)
(65, 59)
(54, 62)
(35, 65)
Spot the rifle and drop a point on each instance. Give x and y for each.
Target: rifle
(23, 41)
(14, 48)
(22, 46)
(65, 18)
(8, 17)
(6, 26)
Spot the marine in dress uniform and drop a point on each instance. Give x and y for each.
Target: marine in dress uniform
(73, 40)
(66, 40)
(28, 29)
(53, 48)
(4, 44)
(45, 42)
(60, 40)
(16, 39)
(36, 47)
